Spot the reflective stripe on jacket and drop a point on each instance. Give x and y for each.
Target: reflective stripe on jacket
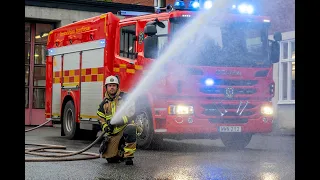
(105, 115)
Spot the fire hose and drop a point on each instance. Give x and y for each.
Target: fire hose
(63, 156)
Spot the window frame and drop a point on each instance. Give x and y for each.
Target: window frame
(30, 88)
(28, 42)
(288, 63)
(134, 42)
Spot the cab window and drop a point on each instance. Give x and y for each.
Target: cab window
(127, 41)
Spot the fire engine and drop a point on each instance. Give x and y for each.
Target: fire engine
(225, 92)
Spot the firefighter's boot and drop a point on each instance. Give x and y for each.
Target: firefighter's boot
(113, 160)
(128, 161)
(130, 135)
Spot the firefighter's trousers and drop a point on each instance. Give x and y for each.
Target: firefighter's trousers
(128, 136)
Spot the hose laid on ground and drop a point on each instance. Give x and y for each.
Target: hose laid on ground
(58, 157)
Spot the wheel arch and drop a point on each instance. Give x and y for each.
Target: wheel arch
(146, 100)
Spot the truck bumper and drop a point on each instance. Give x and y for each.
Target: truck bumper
(207, 120)
(183, 125)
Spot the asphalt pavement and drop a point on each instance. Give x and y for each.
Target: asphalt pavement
(265, 158)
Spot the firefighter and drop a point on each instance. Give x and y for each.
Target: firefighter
(120, 140)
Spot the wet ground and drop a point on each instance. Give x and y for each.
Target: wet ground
(265, 158)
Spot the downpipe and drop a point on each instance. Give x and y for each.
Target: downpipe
(61, 153)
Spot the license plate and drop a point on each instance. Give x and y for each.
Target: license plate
(230, 129)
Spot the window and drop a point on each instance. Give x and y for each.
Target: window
(287, 71)
(26, 75)
(36, 35)
(127, 41)
(235, 44)
(26, 97)
(39, 65)
(27, 31)
(42, 32)
(162, 34)
(40, 54)
(39, 76)
(38, 98)
(27, 47)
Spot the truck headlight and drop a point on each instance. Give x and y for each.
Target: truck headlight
(266, 110)
(180, 109)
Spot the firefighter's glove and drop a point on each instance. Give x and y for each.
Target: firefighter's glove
(107, 127)
(104, 126)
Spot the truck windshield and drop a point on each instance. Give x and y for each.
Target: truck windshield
(240, 44)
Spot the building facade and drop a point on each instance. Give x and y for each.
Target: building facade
(41, 17)
(282, 14)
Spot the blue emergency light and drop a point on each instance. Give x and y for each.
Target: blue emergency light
(194, 4)
(132, 13)
(179, 4)
(209, 82)
(243, 8)
(207, 4)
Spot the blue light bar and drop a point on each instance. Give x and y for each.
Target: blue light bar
(243, 8)
(132, 13)
(179, 4)
(207, 4)
(194, 4)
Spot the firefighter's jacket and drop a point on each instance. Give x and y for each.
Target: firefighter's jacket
(108, 107)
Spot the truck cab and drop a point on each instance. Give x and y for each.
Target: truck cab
(213, 82)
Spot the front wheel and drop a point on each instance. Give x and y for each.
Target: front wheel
(235, 140)
(144, 120)
(70, 127)
(147, 138)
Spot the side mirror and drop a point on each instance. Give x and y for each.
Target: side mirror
(150, 30)
(151, 47)
(275, 52)
(275, 47)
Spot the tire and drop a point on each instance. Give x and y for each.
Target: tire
(144, 119)
(235, 140)
(70, 127)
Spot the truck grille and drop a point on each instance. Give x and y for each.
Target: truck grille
(231, 116)
(214, 90)
(217, 113)
(227, 106)
(231, 82)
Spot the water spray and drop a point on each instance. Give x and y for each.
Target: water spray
(219, 9)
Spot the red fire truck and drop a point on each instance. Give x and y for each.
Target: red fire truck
(223, 92)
